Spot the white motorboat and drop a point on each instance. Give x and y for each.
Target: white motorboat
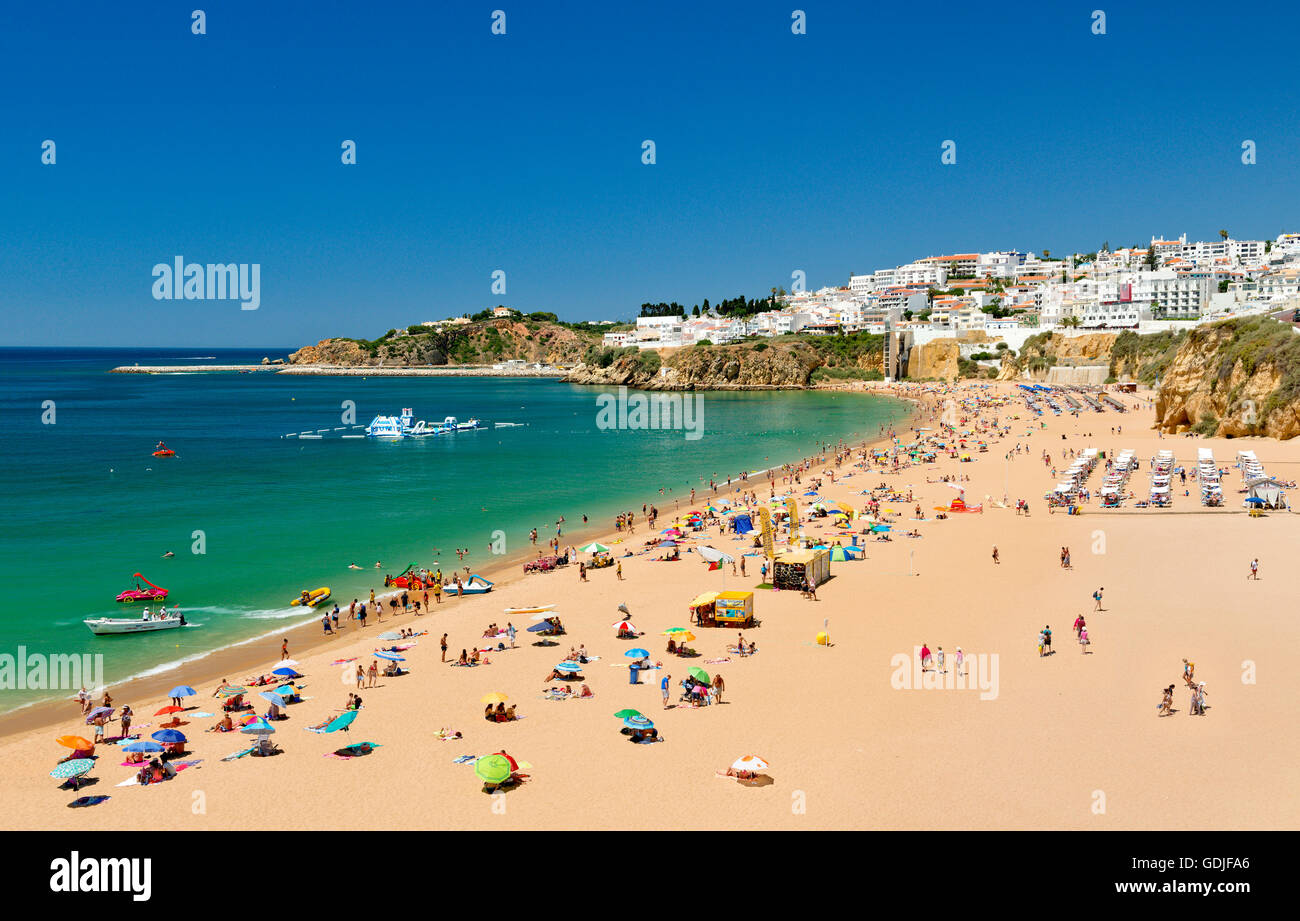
(103, 626)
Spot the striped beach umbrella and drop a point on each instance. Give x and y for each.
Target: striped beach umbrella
(390, 656)
(638, 722)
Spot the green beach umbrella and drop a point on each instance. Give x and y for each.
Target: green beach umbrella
(624, 714)
(593, 547)
(493, 769)
(699, 674)
(74, 768)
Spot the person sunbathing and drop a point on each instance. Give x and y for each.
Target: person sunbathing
(225, 725)
(556, 674)
(474, 657)
(586, 692)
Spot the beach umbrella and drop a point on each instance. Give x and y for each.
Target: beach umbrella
(76, 743)
(285, 672)
(286, 690)
(232, 690)
(543, 615)
(714, 555)
(749, 763)
(571, 668)
(638, 722)
(624, 625)
(259, 726)
(170, 708)
(622, 606)
(684, 637)
(182, 690)
(667, 543)
(98, 712)
(672, 630)
(342, 721)
(838, 555)
(699, 674)
(390, 656)
(144, 745)
(272, 697)
(390, 635)
(637, 654)
(1255, 500)
(493, 769)
(496, 697)
(73, 768)
(168, 736)
(539, 628)
(288, 663)
(628, 712)
(593, 547)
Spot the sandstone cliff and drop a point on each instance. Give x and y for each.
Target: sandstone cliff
(730, 367)
(1240, 377)
(483, 342)
(936, 359)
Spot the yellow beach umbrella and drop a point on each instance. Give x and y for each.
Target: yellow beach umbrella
(496, 697)
(684, 637)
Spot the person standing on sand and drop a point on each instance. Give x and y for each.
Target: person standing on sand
(372, 597)
(1079, 624)
(437, 589)
(284, 649)
(938, 656)
(510, 629)
(618, 570)
(373, 674)
(959, 661)
(361, 677)
(83, 696)
(443, 643)
(925, 657)
(1096, 596)
(1084, 642)
(719, 686)
(352, 610)
(663, 688)
(1254, 569)
(995, 555)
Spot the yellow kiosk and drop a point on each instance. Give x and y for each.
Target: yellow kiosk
(734, 609)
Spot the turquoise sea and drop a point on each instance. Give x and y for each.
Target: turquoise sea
(86, 504)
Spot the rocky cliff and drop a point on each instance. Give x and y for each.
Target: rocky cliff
(1240, 377)
(483, 342)
(729, 367)
(936, 359)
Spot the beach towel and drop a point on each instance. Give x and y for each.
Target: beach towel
(202, 716)
(448, 736)
(464, 759)
(717, 661)
(88, 801)
(235, 756)
(343, 661)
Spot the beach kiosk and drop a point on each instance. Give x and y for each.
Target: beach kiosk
(734, 609)
(789, 570)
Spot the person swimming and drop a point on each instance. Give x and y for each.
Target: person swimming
(168, 555)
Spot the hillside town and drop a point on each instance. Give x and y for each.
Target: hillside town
(1012, 295)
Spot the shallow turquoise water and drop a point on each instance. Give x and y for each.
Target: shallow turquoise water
(86, 505)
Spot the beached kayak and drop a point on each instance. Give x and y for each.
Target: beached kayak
(535, 609)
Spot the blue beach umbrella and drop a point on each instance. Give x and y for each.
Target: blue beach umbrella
(168, 736)
(571, 668)
(183, 690)
(390, 656)
(285, 672)
(638, 722)
(667, 543)
(285, 690)
(144, 745)
(342, 721)
(258, 726)
(273, 698)
(539, 628)
(637, 654)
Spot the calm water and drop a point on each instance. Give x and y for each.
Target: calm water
(86, 505)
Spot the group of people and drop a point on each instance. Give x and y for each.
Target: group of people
(1197, 688)
(936, 661)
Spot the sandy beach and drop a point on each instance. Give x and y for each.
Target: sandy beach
(1065, 741)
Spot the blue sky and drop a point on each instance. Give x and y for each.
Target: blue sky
(522, 152)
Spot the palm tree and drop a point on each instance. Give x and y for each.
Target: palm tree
(1223, 234)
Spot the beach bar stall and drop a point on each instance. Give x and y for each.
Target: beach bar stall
(789, 570)
(734, 609)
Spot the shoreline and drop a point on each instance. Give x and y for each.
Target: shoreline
(341, 371)
(238, 659)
